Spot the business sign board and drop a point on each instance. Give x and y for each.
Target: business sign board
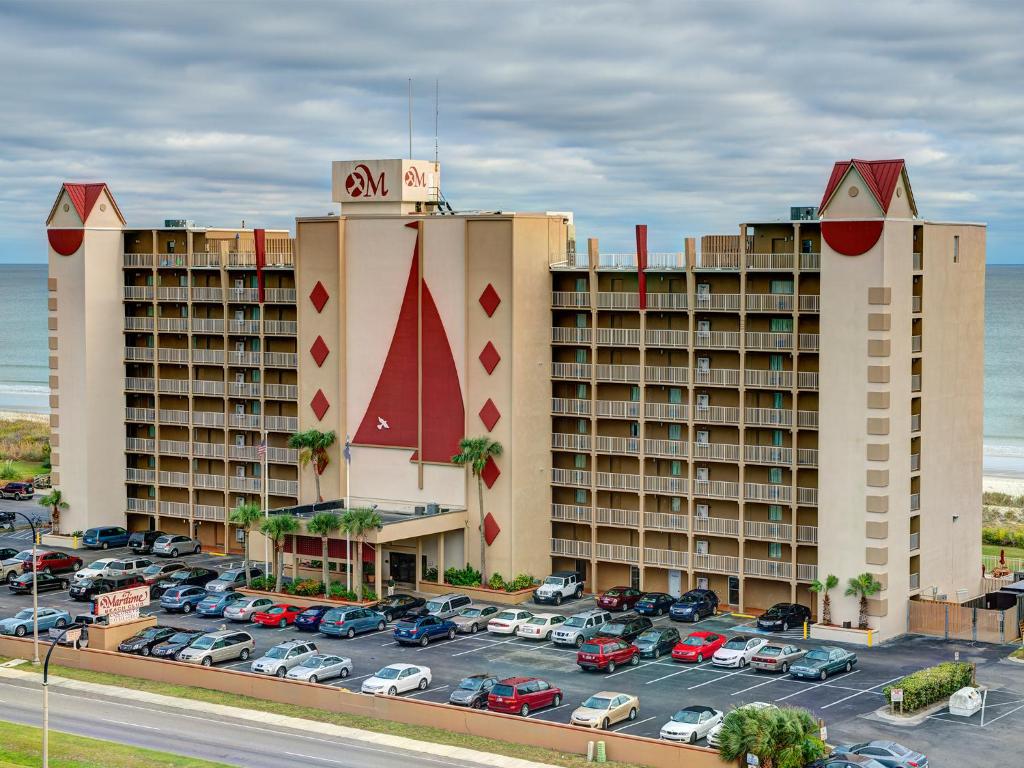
(121, 606)
(896, 695)
(385, 181)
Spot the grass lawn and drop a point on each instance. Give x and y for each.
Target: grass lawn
(993, 550)
(21, 745)
(28, 469)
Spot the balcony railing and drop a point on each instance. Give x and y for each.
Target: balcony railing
(810, 302)
(618, 409)
(769, 379)
(663, 374)
(769, 340)
(134, 475)
(571, 513)
(666, 300)
(139, 444)
(810, 261)
(915, 382)
(672, 449)
(283, 455)
(716, 339)
(571, 407)
(280, 327)
(768, 454)
(617, 260)
(915, 422)
(138, 292)
(208, 356)
(666, 521)
(808, 342)
(245, 484)
(209, 512)
(769, 417)
(618, 300)
(281, 359)
(807, 379)
(570, 299)
(175, 509)
(770, 261)
(243, 358)
(173, 386)
(172, 293)
(568, 441)
(244, 420)
(666, 558)
(168, 416)
(212, 388)
(207, 325)
(806, 572)
(618, 552)
(716, 489)
(172, 324)
(138, 323)
(915, 462)
(283, 487)
(571, 371)
(244, 452)
(627, 445)
(213, 482)
(807, 534)
(720, 377)
(915, 541)
(807, 419)
(244, 326)
(618, 337)
(281, 391)
(915, 304)
(807, 496)
(208, 450)
(174, 447)
(664, 411)
(576, 478)
(767, 492)
(721, 302)
(138, 354)
(716, 451)
(807, 457)
(915, 502)
(721, 526)
(570, 548)
(659, 484)
(915, 343)
(618, 481)
(137, 384)
(280, 295)
(915, 581)
(772, 569)
(770, 302)
(656, 337)
(147, 415)
(203, 293)
(716, 563)
(754, 529)
(281, 423)
(179, 479)
(207, 418)
(570, 335)
(627, 517)
(137, 260)
(628, 374)
(147, 506)
(918, 261)
(716, 414)
(243, 294)
(244, 389)
(172, 355)
(666, 261)
(712, 261)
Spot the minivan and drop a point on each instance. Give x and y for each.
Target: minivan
(104, 538)
(225, 645)
(446, 606)
(141, 542)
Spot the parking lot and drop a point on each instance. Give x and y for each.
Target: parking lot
(845, 701)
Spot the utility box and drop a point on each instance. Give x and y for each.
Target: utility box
(965, 702)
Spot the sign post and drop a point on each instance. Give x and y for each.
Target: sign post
(122, 606)
(896, 695)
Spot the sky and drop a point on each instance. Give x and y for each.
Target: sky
(687, 116)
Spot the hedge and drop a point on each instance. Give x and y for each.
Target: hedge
(932, 684)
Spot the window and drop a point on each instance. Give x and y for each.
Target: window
(782, 325)
(675, 395)
(581, 389)
(634, 394)
(581, 496)
(581, 356)
(775, 362)
(775, 512)
(580, 460)
(677, 468)
(581, 426)
(775, 475)
(774, 550)
(782, 286)
(675, 504)
(581, 320)
(956, 249)
(634, 429)
(777, 400)
(675, 431)
(581, 285)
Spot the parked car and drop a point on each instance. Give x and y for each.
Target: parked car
(84, 620)
(183, 599)
(446, 606)
(351, 620)
(283, 657)
(244, 609)
(846, 761)
(776, 657)
(12, 567)
(694, 605)
(321, 667)
(141, 542)
(540, 626)
(580, 627)
(214, 603)
(657, 641)
(6, 553)
(106, 537)
(783, 616)
(397, 678)
(226, 645)
(654, 603)
(144, 642)
(606, 653)
(87, 589)
(420, 630)
(691, 724)
(472, 618)
(738, 651)
(53, 562)
(310, 618)
(523, 695)
(560, 586)
(698, 646)
(172, 545)
(619, 599)
(233, 578)
(472, 691)
(45, 582)
(21, 623)
(127, 566)
(176, 643)
(397, 605)
(822, 662)
(157, 572)
(508, 621)
(714, 732)
(627, 627)
(605, 709)
(277, 615)
(7, 518)
(888, 753)
(94, 569)
(184, 577)
(17, 491)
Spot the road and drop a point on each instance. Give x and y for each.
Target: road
(208, 736)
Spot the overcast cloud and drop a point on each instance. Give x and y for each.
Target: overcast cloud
(689, 117)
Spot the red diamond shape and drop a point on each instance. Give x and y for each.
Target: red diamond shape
(491, 529)
(319, 350)
(490, 414)
(319, 404)
(490, 358)
(489, 300)
(319, 296)
(490, 472)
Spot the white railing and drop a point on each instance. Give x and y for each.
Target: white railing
(675, 449)
(608, 444)
(716, 563)
(180, 479)
(806, 572)
(138, 292)
(280, 327)
(716, 414)
(136, 384)
(666, 261)
(723, 302)
(172, 293)
(172, 355)
(174, 324)
(617, 373)
(915, 304)
(915, 581)
(244, 420)
(666, 411)
(810, 261)
(915, 541)
(716, 451)
(569, 441)
(618, 552)
(167, 416)
(666, 521)
(139, 414)
(141, 505)
(243, 294)
(208, 450)
(138, 323)
(915, 422)
(779, 417)
(203, 293)
(283, 487)
(663, 374)
(808, 419)
(918, 261)
(175, 509)
(770, 302)
(915, 502)
(659, 484)
(770, 261)
(133, 475)
(656, 337)
(769, 340)
(243, 358)
(174, 447)
(281, 423)
(577, 478)
(281, 359)
(718, 489)
(243, 389)
(716, 339)
(807, 457)
(570, 406)
(629, 517)
(244, 452)
(915, 382)
(245, 484)
(618, 337)
(808, 342)
(206, 259)
(207, 325)
(618, 409)
(810, 302)
(773, 569)
(773, 531)
(570, 299)
(212, 356)
(618, 481)
(280, 295)
(209, 512)
(722, 377)
(915, 343)
(139, 444)
(666, 558)
(174, 386)
(570, 335)
(213, 482)
(915, 462)
(768, 454)
(617, 260)
(666, 300)
(571, 513)
(200, 387)
(767, 492)
(570, 548)
(807, 379)
(807, 534)
(208, 418)
(143, 354)
(807, 496)
(771, 379)
(707, 261)
(618, 300)
(281, 391)
(137, 260)
(244, 326)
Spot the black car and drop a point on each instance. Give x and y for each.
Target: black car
(628, 627)
(176, 643)
(694, 605)
(141, 542)
(195, 576)
(657, 641)
(654, 603)
(48, 582)
(85, 590)
(7, 518)
(783, 616)
(143, 642)
(472, 692)
(310, 618)
(396, 606)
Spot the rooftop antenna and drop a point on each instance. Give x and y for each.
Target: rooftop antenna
(410, 118)
(436, 92)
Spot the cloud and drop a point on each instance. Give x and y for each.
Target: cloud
(690, 117)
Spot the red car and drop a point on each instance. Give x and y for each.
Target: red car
(53, 562)
(280, 615)
(522, 695)
(606, 653)
(619, 599)
(698, 646)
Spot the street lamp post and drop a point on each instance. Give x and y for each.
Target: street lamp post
(70, 628)
(35, 593)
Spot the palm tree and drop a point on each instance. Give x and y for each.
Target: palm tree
(823, 587)
(245, 516)
(357, 523)
(323, 524)
(313, 446)
(55, 501)
(779, 738)
(473, 454)
(864, 586)
(275, 528)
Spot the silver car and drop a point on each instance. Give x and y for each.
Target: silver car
(243, 609)
(232, 579)
(174, 544)
(95, 569)
(473, 618)
(283, 657)
(321, 667)
(225, 645)
(127, 566)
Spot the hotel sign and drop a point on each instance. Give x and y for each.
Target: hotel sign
(385, 181)
(122, 606)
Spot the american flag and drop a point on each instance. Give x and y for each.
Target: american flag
(347, 453)
(261, 450)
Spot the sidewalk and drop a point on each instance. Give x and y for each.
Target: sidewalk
(282, 721)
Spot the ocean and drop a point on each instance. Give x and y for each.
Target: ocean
(23, 354)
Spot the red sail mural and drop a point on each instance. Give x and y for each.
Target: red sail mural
(392, 415)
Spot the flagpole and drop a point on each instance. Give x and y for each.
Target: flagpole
(348, 506)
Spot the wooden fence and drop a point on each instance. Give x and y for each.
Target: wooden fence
(953, 621)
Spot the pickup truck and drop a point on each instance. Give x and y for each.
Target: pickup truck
(559, 586)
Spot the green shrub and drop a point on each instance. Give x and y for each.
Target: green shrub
(497, 581)
(932, 684)
(338, 592)
(263, 582)
(307, 588)
(430, 575)
(1002, 536)
(8, 471)
(369, 594)
(521, 581)
(462, 577)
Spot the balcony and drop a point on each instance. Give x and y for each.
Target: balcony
(810, 261)
(166, 416)
(807, 419)
(174, 447)
(137, 260)
(175, 293)
(618, 445)
(716, 339)
(665, 411)
(915, 502)
(716, 302)
(666, 301)
(177, 479)
(769, 417)
(626, 517)
(666, 558)
(716, 261)
(212, 388)
(621, 374)
(570, 513)
(915, 304)
(574, 478)
(770, 302)
(244, 358)
(807, 497)
(280, 295)
(768, 492)
(807, 534)
(618, 409)
(716, 563)
(208, 294)
(175, 509)
(658, 484)
(768, 454)
(571, 371)
(915, 462)
(807, 457)
(918, 261)
(716, 414)
(915, 541)
(753, 529)
(244, 389)
(771, 261)
(669, 449)
(136, 384)
(618, 300)
(245, 484)
(771, 569)
(618, 337)
(280, 327)
(806, 572)
(243, 295)
(138, 354)
(768, 379)
(915, 422)
(172, 355)
(134, 475)
(570, 299)
(915, 581)
(570, 335)
(716, 377)
(666, 521)
(138, 323)
(173, 386)
(662, 374)
(808, 342)
(208, 450)
(139, 445)
(281, 359)
(146, 415)
(208, 356)
(571, 407)
(620, 553)
(207, 418)
(807, 379)
(915, 382)
(172, 324)
(283, 487)
(666, 338)
(763, 340)
(716, 489)
(138, 293)
(212, 482)
(915, 344)
(570, 548)
(570, 441)
(244, 452)
(281, 391)
(618, 481)
(281, 423)
(209, 512)
(666, 261)
(716, 451)
(719, 526)
(146, 506)
(244, 420)
(207, 325)
(617, 261)
(810, 302)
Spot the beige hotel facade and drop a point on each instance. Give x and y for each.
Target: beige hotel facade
(802, 397)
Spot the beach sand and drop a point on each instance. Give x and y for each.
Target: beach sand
(42, 418)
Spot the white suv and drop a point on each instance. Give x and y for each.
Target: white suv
(127, 566)
(282, 657)
(560, 586)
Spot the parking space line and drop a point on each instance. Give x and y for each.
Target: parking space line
(812, 687)
(858, 693)
(715, 680)
(500, 642)
(426, 690)
(630, 669)
(1002, 715)
(630, 725)
(680, 672)
(766, 682)
(540, 712)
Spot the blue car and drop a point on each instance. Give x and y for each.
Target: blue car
(20, 624)
(654, 604)
(106, 537)
(214, 603)
(420, 630)
(309, 620)
(694, 605)
(183, 599)
(351, 620)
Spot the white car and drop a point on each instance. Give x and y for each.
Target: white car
(95, 569)
(691, 724)
(397, 678)
(507, 622)
(540, 626)
(713, 733)
(738, 651)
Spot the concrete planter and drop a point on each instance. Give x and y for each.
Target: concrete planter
(301, 600)
(831, 633)
(478, 593)
(59, 540)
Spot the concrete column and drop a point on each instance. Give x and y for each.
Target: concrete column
(378, 567)
(295, 557)
(440, 558)
(419, 561)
